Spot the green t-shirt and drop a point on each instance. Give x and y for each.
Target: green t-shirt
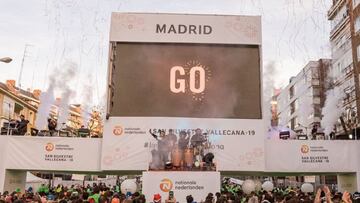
(46, 190)
(41, 189)
(96, 197)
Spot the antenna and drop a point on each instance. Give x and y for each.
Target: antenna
(22, 63)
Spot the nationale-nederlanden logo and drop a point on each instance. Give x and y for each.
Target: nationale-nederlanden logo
(304, 149)
(49, 147)
(166, 185)
(118, 130)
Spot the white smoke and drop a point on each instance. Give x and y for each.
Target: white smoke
(332, 109)
(47, 99)
(60, 79)
(304, 101)
(306, 107)
(284, 119)
(269, 74)
(64, 77)
(87, 99)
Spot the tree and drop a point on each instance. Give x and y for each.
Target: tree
(95, 123)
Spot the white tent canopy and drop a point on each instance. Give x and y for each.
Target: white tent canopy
(31, 178)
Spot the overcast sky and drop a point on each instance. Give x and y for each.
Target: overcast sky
(294, 32)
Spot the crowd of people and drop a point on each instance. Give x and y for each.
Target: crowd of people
(107, 194)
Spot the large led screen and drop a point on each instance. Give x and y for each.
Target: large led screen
(186, 80)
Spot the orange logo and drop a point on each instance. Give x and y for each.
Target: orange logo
(118, 130)
(166, 185)
(49, 147)
(304, 149)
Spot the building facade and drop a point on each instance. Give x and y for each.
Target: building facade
(15, 102)
(344, 16)
(299, 104)
(274, 108)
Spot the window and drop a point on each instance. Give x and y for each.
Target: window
(316, 92)
(315, 82)
(293, 123)
(357, 23)
(338, 19)
(31, 117)
(316, 100)
(355, 3)
(315, 72)
(292, 92)
(8, 108)
(292, 108)
(18, 110)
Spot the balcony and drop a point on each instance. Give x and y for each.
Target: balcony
(340, 26)
(347, 71)
(334, 8)
(340, 51)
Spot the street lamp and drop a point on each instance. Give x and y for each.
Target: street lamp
(6, 59)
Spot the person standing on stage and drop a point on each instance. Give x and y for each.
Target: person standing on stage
(52, 126)
(164, 145)
(197, 139)
(21, 125)
(184, 139)
(171, 138)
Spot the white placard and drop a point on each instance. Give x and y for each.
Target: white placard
(198, 184)
(237, 144)
(3, 150)
(311, 156)
(181, 28)
(58, 153)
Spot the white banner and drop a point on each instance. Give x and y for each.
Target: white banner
(197, 184)
(237, 144)
(347, 182)
(180, 28)
(3, 144)
(62, 154)
(311, 156)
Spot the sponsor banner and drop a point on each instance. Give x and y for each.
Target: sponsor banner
(309, 179)
(310, 156)
(198, 184)
(347, 182)
(223, 29)
(238, 145)
(3, 156)
(236, 181)
(63, 154)
(14, 179)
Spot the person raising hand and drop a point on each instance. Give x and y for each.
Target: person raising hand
(346, 197)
